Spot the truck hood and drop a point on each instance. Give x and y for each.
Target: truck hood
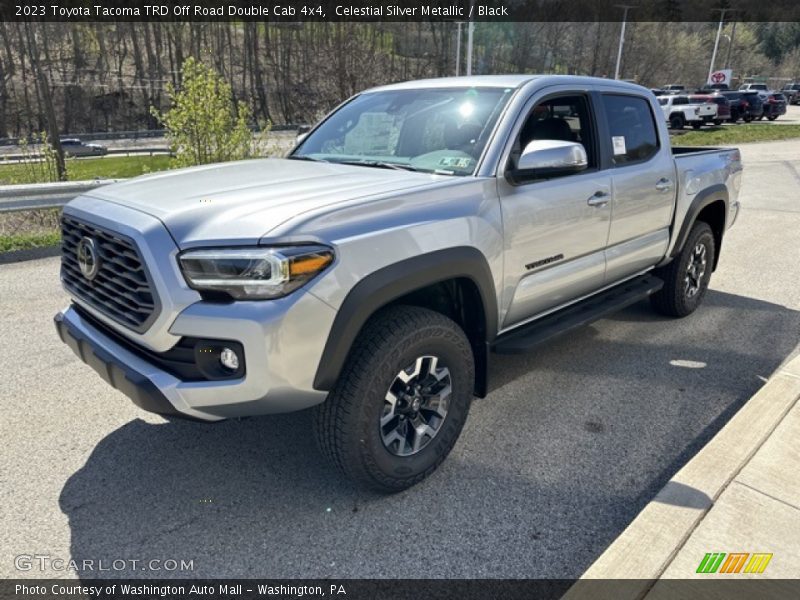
(245, 200)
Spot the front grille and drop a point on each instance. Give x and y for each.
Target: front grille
(121, 289)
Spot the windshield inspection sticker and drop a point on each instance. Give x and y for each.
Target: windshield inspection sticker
(619, 144)
(459, 162)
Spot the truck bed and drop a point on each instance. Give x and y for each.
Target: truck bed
(682, 150)
(703, 168)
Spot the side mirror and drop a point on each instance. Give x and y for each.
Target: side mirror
(550, 158)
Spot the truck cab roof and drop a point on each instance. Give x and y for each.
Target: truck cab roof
(507, 81)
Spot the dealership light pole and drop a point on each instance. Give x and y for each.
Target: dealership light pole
(722, 12)
(730, 46)
(458, 48)
(470, 30)
(625, 8)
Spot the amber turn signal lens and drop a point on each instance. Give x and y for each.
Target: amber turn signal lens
(309, 264)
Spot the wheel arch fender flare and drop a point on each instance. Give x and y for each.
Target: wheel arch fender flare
(394, 281)
(715, 193)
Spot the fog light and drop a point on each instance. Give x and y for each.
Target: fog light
(229, 359)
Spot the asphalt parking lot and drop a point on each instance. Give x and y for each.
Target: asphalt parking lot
(570, 445)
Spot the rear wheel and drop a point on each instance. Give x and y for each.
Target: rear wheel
(401, 400)
(718, 122)
(697, 125)
(677, 121)
(686, 277)
(747, 118)
(772, 118)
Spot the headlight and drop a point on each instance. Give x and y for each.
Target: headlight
(254, 273)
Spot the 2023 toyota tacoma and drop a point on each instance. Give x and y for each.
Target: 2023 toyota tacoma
(415, 230)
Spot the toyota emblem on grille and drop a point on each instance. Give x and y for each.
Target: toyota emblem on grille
(88, 261)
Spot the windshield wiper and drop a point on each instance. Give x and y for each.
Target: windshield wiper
(306, 157)
(380, 164)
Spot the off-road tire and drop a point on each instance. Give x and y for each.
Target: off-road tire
(347, 425)
(677, 121)
(672, 300)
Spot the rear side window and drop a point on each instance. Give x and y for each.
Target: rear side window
(633, 130)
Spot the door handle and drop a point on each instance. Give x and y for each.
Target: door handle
(663, 185)
(598, 199)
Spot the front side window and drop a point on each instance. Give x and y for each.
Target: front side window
(633, 131)
(440, 130)
(565, 118)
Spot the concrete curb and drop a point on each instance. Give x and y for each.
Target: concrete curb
(648, 545)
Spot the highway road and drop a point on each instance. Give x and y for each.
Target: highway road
(571, 443)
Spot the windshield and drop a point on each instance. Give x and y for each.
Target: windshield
(436, 130)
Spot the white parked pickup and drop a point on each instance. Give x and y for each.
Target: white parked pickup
(680, 111)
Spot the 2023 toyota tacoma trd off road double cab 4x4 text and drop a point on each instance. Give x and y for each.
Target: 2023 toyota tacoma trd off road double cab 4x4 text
(415, 230)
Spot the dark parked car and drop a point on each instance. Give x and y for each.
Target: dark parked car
(723, 108)
(735, 100)
(75, 147)
(774, 106)
(752, 106)
(792, 93)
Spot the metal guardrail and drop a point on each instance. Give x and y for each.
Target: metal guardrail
(31, 196)
(127, 135)
(129, 151)
(126, 151)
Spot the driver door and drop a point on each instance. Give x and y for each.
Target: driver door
(555, 230)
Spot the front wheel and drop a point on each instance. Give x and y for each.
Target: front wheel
(718, 122)
(401, 400)
(686, 277)
(772, 118)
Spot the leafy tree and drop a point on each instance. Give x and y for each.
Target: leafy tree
(204, 124)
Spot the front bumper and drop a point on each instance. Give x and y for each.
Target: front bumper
(282, 341)
(121, 375)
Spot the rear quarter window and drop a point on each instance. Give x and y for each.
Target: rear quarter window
(632, 128)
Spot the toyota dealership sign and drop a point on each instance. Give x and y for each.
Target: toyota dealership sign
(723, 76)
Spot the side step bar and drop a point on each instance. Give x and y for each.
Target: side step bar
(591, 309)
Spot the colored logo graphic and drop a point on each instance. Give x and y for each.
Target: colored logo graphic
(736, 562)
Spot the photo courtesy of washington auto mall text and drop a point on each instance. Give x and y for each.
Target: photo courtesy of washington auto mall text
(399, 299)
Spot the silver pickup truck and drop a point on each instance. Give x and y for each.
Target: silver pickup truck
(417, 229)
